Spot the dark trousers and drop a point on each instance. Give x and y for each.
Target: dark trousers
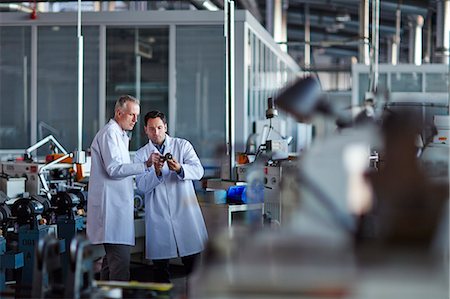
(161, 271)
(116, 262)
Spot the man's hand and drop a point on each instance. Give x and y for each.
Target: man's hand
(149, 162)
(156, 160)
(174, 165)
(153, 159)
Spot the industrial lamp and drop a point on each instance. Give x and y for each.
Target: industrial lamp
(301, 99)
(304, 99)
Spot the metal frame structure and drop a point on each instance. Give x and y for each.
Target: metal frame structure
(390, 70)
(244, 23)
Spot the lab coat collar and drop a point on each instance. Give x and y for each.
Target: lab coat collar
(167, 144)
(116, 125)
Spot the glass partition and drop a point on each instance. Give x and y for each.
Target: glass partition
(15, 87)
(406, 82)
(267, 74)
(436, 82)
(57, 84)
(132, 59)
(137, 64)
(364, 84)
(200, 87)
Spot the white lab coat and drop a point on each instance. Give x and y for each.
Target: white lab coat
(110, 214)
(173, 220)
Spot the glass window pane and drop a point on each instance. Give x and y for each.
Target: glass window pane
(14, 87)
(137, 64)
(436, 82)
(58, 84)
(406, 82)
(200, 77)
(364, 84)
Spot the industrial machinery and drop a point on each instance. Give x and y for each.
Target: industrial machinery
(45, 199)
(8, 259)
(35, 218)
(435, 155)
(48, 280)
(38, 175)
(79, 282)
(47, 177)
(273, 139)
(30, 214)
(69, 209)
(14, 187)
(275, 175)
(271, 157)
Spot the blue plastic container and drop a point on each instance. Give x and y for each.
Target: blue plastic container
(237, 194)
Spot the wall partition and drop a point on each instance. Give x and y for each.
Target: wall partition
(15, 59)
(57, 83)
(200, 87)
(137, 63)
(173, 61)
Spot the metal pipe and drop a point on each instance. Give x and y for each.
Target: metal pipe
(229, 85)
(364, 32)
(269, 16)
(33, 84)
(101, 77)
(443, 31)
(390, 48)
(397, 39)
(284, 22)
(80, 80)
(25, 92)
(418, 40)
(325, 43)
(427, 56)
(138, 62)
(375, 45)
(307, 38)
(415, 39)
(15, 7)
(277, 20)
(44, 141)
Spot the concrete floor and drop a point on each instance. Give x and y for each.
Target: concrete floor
(144, 273)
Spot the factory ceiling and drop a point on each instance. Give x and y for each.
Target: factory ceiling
(334, 24)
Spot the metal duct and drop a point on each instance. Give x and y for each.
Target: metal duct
(373, 85)
(204, 4)
(307, 38)
(429, 36)
(269, 16)
(443, 31)
(364, 32)
(284, 22)
(392, 50)
(229, 86)
(277, 19)
(415, 39)
(397, 40)
(15, 7)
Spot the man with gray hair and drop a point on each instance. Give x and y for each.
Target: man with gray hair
(110, 214)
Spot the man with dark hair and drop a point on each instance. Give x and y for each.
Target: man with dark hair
(173, 219)
(110, 215)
